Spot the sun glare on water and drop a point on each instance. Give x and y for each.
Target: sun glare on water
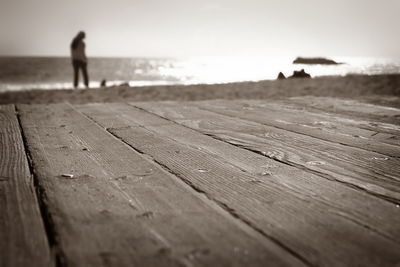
(234, 69)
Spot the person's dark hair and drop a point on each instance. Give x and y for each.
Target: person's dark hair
(76, 40)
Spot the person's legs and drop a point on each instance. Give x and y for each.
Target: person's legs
(85, 74)
(75, 64)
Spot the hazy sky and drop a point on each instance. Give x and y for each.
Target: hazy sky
(190, 28)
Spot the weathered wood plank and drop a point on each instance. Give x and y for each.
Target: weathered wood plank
(121, 209)
(366, 116)
(352, 107)
(369, 171)
(334, 159)
(289, 121)
(23, 240)
(303, 122)
(302, 213)
(373, 130)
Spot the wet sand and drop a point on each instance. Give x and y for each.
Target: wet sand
(379, 89)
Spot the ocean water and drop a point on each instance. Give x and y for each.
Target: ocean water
(24, 73)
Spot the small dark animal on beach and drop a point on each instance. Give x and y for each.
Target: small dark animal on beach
(281, 76)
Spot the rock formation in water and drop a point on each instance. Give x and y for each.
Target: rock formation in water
(315, 61)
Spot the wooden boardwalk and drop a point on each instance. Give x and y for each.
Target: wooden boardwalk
(304, 181)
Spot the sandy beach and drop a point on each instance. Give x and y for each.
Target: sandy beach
(379, 89)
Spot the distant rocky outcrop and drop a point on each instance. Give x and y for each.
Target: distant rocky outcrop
(315, 61)
(300, 74)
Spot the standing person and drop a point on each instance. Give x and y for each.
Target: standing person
(79, 60)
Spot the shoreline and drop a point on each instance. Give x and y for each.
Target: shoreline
(382, 89)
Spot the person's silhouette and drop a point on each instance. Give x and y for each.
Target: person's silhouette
(79, 60)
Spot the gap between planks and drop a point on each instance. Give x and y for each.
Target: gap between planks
(24, 237)
(40, 192)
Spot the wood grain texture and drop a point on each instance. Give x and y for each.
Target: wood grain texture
(297, 120)
(361, 127)
(23, 240)
(363, 115)
(352, 107)
(300, 214)
(121, 209)
(366, 170)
